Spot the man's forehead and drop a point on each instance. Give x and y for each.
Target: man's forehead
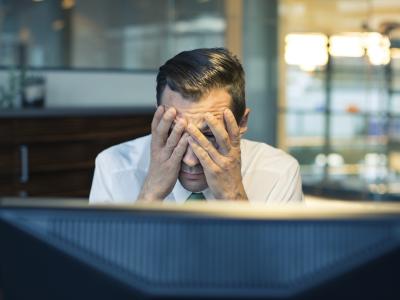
(196, 117)
(214, 102)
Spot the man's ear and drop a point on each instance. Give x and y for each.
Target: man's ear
(243, 122)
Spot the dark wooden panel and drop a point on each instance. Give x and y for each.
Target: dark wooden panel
(8, 185)
(9, 158)
(80, 129)
(75, 183)
(10, 169)
(49, 157)
(6, 132)
(61, 151)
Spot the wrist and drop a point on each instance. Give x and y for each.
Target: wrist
(148, 194)
(239, 194)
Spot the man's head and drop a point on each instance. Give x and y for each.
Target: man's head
(195, 73)
(196, 82)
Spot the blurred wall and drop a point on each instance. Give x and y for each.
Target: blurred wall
(260, 56)
(96, 88)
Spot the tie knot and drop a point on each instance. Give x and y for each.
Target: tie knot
(196, 197)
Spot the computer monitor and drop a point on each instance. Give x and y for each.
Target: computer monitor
(68, 250)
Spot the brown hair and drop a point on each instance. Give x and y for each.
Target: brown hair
(194, 73)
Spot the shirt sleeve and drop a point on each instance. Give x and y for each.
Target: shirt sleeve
(100, 191)
(288, 189)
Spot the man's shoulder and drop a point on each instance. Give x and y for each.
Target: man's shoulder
(263, 156)
(129, 154)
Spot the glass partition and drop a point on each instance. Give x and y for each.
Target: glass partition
(110, 34)
(339, 99)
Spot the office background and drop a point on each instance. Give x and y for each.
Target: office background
(322, 83)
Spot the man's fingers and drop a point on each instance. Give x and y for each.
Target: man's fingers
(161, 132)
(220, 133)
(232, 127)
(204, 143)
(175, 136)
(157, 117)
(204, 158)
(180, 149)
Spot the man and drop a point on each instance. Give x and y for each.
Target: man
(195, 148)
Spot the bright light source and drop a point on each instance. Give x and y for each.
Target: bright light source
(378, 49)
(347, 45)
(308, 51)
(373, 39)
(379, 56)
(357, 44)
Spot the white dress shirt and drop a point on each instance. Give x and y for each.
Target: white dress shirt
(269, 174)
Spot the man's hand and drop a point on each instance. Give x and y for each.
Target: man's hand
(222, 166)
(166, 154)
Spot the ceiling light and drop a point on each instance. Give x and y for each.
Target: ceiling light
(308, 51)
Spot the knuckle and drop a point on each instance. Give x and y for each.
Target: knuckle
(224, 165)
(227, 163)
(217, 171)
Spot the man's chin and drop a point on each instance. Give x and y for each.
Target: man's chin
(194, 183)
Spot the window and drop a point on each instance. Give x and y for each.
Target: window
(111, 34)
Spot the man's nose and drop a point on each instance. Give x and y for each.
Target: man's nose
(189, 158)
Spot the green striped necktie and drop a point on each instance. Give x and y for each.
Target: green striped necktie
(196, 197)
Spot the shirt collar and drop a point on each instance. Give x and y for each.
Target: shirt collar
(180, 194)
